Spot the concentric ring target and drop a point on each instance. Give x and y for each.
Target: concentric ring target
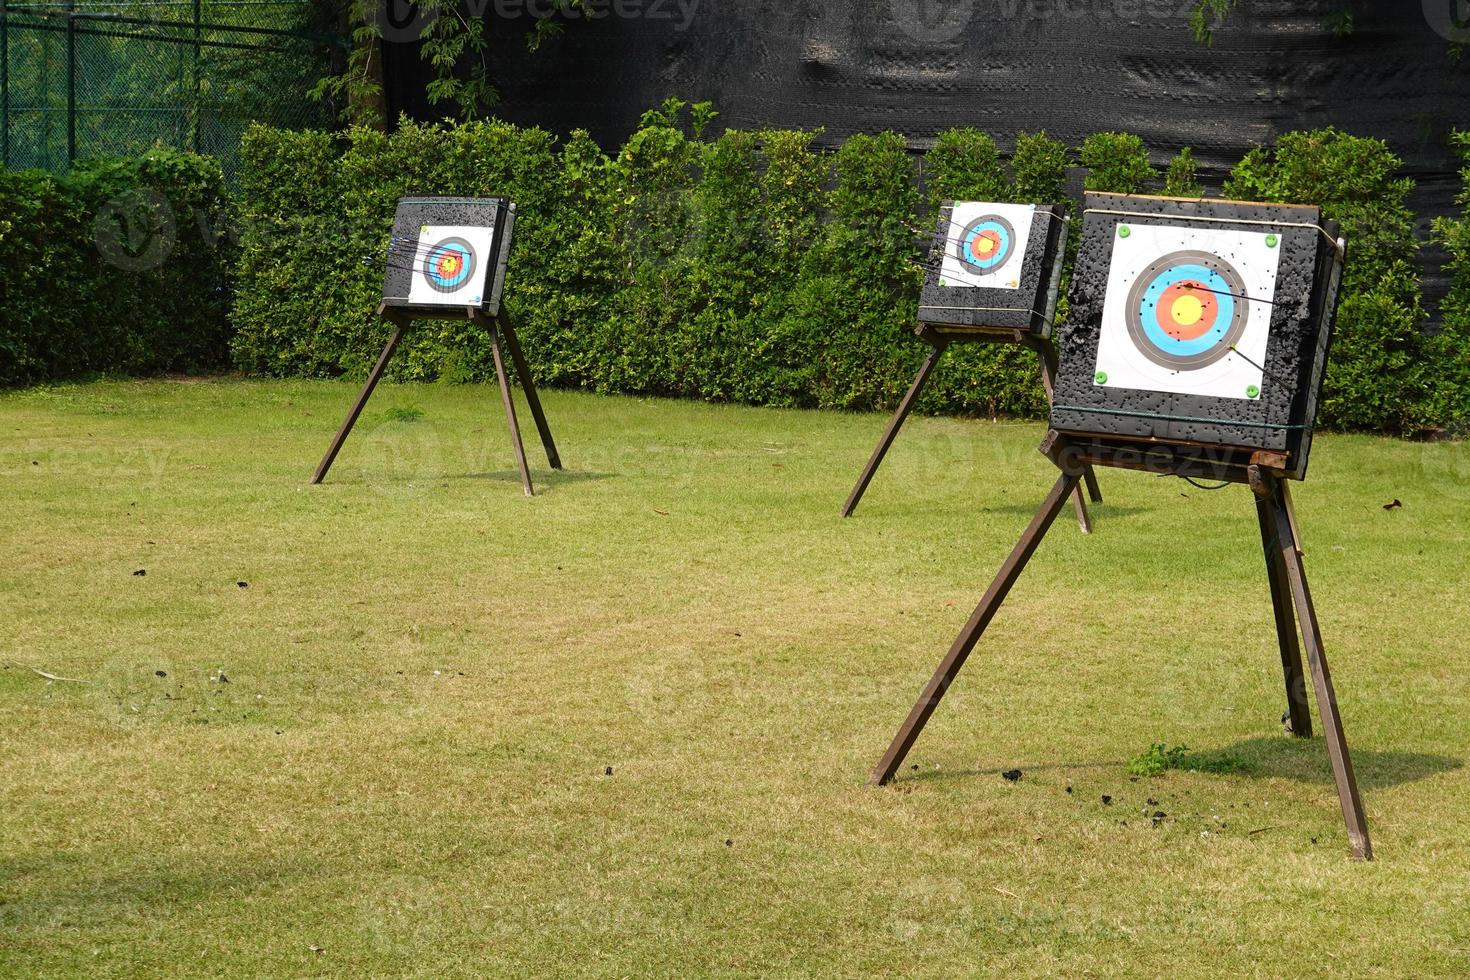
(986, 244)
(1187, 309)
(448, 264)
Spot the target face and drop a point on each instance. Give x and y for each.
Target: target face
(986, 245)
(1188, 311)
(449, 265)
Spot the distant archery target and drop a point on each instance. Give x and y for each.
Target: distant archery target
(1187, 310)
(448, 264)
(986, 244)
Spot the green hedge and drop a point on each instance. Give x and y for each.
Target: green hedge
(755, 268)
(119, 266)
(1452, 346)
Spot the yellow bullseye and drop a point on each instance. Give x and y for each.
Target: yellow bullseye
(984, 246)
(1187, 311)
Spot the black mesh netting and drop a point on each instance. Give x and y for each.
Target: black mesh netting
(1070, 67)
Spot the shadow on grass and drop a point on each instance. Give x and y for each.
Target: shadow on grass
(1305, 760)
(1280, 757)
(69, 891)
(1101, 511)
(541, 479)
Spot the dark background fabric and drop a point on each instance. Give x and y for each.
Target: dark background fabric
(1069, 67)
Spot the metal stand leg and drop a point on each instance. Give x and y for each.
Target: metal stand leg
(894, 424)
(523, 371)
(510, 410)
(1337, 748)
(970, 635)
(1298, 711)
(362, 399)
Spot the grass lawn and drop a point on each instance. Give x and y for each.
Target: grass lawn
(410, 722)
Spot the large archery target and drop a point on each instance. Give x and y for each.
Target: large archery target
(986, 244)
(1188, 311)
(449, 265)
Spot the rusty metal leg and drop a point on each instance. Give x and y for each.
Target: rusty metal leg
(1337, 748)
(510, 410)
(1048, 381)
(894, 424)
(362, 399)
(950, 666)
(1298, 710)
(523, 371)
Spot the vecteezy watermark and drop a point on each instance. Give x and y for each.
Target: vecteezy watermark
(405, 20)
(1450, 19)
(135, 231)
(932, 21)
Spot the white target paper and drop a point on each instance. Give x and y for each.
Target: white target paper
(1012, 233)
(450, 265)
(1199, 300)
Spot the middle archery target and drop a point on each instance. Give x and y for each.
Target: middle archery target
(986, 245)
(449, 264)
(1188, 311)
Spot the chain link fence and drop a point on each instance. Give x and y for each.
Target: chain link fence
(95, 78)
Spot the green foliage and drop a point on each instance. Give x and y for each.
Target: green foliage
(1158, 759)
(752, 267)
(120, 266)
(1208, 15)
(1453, 342)
(1040, 167)
(963, 165)
(1161, 757)
(857, 295)
(1117, 163)
(1181, 179)
(1383, 372)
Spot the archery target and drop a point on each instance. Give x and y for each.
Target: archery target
(449, 265)
(1188, 311)
(986, 245)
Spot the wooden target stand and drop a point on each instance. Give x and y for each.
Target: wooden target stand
(495, 326)
(940, 337)
(1291, 599)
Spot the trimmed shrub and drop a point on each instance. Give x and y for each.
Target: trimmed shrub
(854, 305)
(120, 265)
(755, 268)
(1117, 163)
(1452, 346)
(1181, 179)
(1380, 371)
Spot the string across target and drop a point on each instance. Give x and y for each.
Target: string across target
(985, 244)
(448, 264)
